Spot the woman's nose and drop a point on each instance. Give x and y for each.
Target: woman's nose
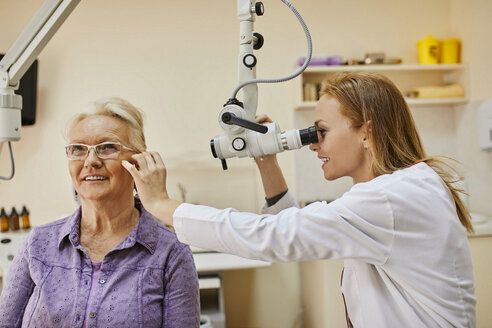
(313, 146)
(92, 159)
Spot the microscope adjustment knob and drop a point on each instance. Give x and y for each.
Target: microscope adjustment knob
(238, 144)
(258, 41)
(249, 60)
(259, 9)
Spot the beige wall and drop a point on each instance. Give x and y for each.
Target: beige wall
(470, 21)
(177, 61)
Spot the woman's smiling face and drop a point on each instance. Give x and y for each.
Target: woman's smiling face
(95, 178)
(341, 147)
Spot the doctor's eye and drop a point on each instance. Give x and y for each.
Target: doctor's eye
(321, 133)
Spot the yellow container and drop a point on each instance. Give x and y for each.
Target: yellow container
(450, 51)
(428, 50)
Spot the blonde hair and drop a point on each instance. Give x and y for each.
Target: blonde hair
(122, 110)
(395, 142)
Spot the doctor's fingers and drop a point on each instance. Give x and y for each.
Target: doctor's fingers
(132, 169)
(148, 168)
(262, 118)
(159, 163)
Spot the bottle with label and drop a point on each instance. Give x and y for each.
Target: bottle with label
(26, 224)
(14, 220)
(4, 221)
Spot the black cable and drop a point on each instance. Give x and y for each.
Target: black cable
(11, 163)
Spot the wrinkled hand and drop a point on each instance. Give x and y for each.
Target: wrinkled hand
(149, 173)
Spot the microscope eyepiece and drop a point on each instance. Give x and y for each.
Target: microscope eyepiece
(308, 135)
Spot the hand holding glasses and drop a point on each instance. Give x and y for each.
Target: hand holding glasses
(104, 150)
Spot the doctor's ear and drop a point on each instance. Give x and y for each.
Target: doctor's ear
(366, 134)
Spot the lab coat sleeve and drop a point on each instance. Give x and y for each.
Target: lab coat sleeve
(359, 225)
(286, 201)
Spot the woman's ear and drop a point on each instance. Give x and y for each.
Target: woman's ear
(366, 134)
(76, 196)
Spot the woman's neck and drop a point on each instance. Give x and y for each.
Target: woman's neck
(103, 218)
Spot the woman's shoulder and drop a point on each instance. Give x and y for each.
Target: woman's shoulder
(166, 237)
(402, 186)
(56, 224)
(419, 175)
(53, 228)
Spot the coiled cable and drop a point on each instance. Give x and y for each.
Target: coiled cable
(301, 69)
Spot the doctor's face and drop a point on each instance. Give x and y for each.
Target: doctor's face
(95, 178)
(341, 148)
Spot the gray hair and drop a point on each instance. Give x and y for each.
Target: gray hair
(122, 110)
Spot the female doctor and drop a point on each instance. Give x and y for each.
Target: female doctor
(401, 228)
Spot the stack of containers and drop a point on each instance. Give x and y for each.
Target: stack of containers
(434, 51)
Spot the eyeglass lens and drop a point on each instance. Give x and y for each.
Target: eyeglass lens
(104, 150)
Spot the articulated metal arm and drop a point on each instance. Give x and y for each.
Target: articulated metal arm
(19, 58)
(243, 137)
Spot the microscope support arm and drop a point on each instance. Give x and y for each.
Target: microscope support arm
(243, 137)
(19, 58)
(33, 39)
(246, 59)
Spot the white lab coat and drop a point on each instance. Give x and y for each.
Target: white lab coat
(407, 258)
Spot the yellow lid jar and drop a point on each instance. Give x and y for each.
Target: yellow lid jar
(428, 50)
(450, 51)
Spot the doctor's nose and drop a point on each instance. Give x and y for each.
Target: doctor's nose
(314, 146)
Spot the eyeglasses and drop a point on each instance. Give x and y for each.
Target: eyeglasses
(105, 150)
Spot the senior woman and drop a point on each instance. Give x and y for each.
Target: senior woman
(109, 264)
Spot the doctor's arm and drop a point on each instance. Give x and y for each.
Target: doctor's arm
(270, 172)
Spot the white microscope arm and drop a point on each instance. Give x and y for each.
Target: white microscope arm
(243, 137)
(19, 58)
(246, 12)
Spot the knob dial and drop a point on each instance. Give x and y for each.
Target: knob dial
(259, 8)
(238, 144)
(249, 60)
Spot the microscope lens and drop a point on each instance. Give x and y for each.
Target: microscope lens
(308, 135)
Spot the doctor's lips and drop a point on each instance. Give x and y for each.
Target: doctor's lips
(324, 161)
(94, 178)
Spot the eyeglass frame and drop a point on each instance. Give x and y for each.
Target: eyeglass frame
(89, 147)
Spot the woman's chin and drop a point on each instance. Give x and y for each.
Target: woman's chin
(94, 195)
(329, 176)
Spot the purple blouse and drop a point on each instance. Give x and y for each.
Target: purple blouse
(148, 280)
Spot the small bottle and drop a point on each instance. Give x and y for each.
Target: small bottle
(4, 221)
(14, 220)
(26, 224)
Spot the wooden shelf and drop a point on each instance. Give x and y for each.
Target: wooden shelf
(405, 76)
(395, 67)
(309, 105)
(436, 101)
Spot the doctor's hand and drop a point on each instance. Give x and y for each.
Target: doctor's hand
(271, 174)
(149, 174)
(265, 160)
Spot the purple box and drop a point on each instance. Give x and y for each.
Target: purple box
(322, 60)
